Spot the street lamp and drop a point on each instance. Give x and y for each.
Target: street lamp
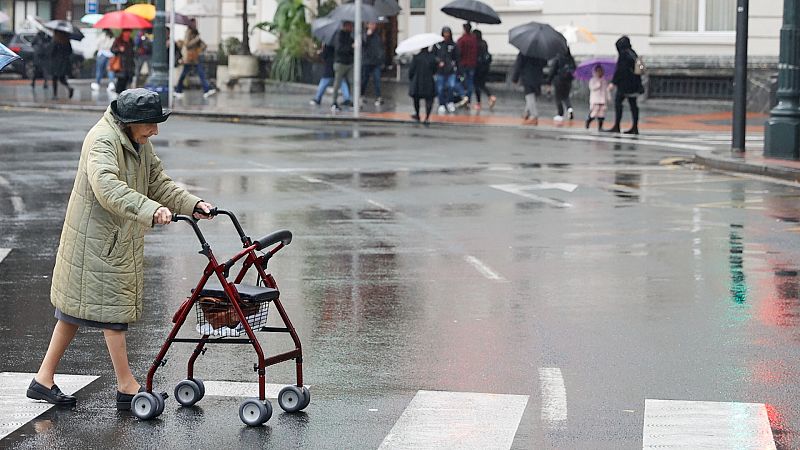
(782, 131)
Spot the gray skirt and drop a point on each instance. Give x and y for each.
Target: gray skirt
(60, 315)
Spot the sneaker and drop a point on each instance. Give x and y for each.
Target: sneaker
(464, 101)
(95, 86)
(178, 94)
(477, 107)
(313, 102)
(442, 109)
(209, 93)
(492, 101)
(558, 118)
(111, 87)
(335, 108)
(570, 114)
(378, 101)
(451, 107)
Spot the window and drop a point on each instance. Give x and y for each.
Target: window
(417, 6)
(696, 16)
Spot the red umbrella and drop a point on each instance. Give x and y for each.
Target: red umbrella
(122, 19)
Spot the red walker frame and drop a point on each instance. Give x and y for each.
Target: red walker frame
(282, 238)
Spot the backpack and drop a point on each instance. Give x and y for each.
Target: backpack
(484, 59)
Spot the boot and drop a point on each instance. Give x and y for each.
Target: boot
(633, 130)
(614, 129)
(600, 121)
(589, 121)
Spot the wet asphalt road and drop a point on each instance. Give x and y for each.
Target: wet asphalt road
(429, 259)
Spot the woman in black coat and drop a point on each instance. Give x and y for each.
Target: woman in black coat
(628, 84)
(60, 61)
(528, 71)
(421, 84)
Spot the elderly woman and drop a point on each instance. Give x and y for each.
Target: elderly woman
(120, 192)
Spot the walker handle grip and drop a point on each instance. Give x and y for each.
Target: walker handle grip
(282, 236)
(211, 212)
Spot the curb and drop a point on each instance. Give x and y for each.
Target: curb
(713, 160)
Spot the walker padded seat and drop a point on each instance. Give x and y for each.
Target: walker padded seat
(247, 292)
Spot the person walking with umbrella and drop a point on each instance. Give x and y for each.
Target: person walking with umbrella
(123, 50)
(41, 58)
(343, 61)
(528, 71)
(468, 59)
(104, 42)
(447, 56)
(192, 57)
(421, 82)
(61, 62)
(561, 77)
(482, 71)
(374, 54)
(328, 54)
(627, 83)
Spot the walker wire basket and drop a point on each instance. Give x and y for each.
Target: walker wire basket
(217, 316)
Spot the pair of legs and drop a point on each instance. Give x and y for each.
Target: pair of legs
(469, 81)
(428, 108)
(481, 75)
(446, 85)
(343, 72)
(100, 68)
(38, 72)
(324, 83)
(562, 89)
(201, 72)
(531, 109)
(122, 80)
(63, 80)
(618, 99)
(372, 71)
(596, 111)
(139, 62)
(64, 332)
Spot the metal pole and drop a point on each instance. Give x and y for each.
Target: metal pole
(740, 78)
(171, 65)
(357, 61)
(782, 132)
(158, 80)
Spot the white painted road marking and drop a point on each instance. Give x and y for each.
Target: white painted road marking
(693, 425)
(3, 253)
(637, 141)
(241, 389)
(485, 270)
(446, 420)
(16, 409)
(519, 189)
(554, 397)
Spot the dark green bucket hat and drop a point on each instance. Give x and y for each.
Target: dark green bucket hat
(139, 106)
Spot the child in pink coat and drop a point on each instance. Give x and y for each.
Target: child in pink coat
(598, 94)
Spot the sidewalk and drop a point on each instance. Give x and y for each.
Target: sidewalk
(290, 101)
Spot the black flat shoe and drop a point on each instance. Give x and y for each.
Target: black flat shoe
(37, 391)
(124, 400)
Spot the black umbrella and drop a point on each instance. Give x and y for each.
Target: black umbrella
(537, 40)
(65, 27)
(347, 12)
(325, 29)
(471, 11)
(6, 56)
(385, 8)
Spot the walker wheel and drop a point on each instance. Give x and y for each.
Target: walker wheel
(254, 412)
(188, 392)
(161, 404)
(202, 386)
(144, 406)
(306, 398)
(291, 399)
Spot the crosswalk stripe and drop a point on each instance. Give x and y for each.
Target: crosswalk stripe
(694, 424)
(554, 397)
(3, 253)
(241, 389)
(446, 420)
(16, 409)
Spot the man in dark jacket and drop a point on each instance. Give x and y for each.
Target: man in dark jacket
(468, 58)
(628, 84)
(343, 61)
(328, 54)
(561, 70)
(373, 61)
(528, 71)
(447, 57)
(41, 57)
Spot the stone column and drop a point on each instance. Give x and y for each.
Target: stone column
(158, 81)
(782, 131)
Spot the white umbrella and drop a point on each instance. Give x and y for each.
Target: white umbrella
(4, 17)
(418, 42)
(575, 34)
(91, 19)
(196, 10)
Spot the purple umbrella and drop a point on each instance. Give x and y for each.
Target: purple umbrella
(585, 70)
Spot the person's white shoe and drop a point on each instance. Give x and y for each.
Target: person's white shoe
(451, 107)
(558, 118)
(570, 113)
(209, 93)
(95, 86)
(111, 87)
(178, 94)
(442, 109)
(378, 101)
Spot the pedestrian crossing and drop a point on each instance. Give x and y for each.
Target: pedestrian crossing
(3, 253)
(449, 420)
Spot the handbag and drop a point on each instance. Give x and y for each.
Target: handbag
(638, 67)
(115, 63)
